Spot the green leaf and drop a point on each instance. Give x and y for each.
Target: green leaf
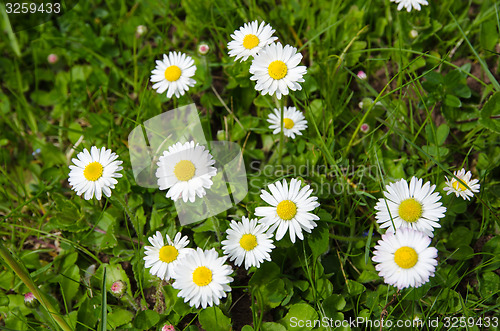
(4, 300)
(271, 326)
(460, 236)
(212, 318)
(267, 281)
(146, 319)
(463, 252)
(492, 253)
(452, 101)
(489, 34)
(318, 240)
(299, 317)
(442, 133)
(491, 108)
(333, 304)
(70, 282)
(119, 317)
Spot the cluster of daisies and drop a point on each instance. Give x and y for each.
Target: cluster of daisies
(411, 213)
(201, 276)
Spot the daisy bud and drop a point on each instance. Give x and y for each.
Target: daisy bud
(118, 288)
(52, 58)
(361, 75)
(364, 127)
(30, 301)
(168, 327)
(221, 135)
(140, 30)
(203, 48)
(413, 34)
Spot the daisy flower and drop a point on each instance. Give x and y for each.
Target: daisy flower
(415, 207)
(250, 39)
(275, 70)
(163, 258)
(173, 74)
(94, 172)
(293, 123)
(203, 278)
(247, 240)
(409, 4)
(186, 171)
(290, 209)
(454, 186)
(405, 259)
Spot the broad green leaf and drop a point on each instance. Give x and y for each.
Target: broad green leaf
(271, 326)
(491, 108)
(146, 319)
(212, 318)
(299, 317)
(452, 101)
(442, 133)
(460, 236)
(318, 240)
(119, 317)
(70, 282)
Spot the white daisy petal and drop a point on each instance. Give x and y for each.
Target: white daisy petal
(294, 122)
(173, 74)
(250, 39)
(275, 70)
(290, 210)
(185, 170)
(410, 4)
(164, 256)
(404, 258)
(454, 186)
(247, 241)
(202, 278)
(92, 173)
(413, 206)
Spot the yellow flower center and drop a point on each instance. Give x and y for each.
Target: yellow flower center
(93, 171)
(459, 186)
(250, 41)
(184, 170)
(277, 69)
(168, 253)
(248, 242)
(172, 73)
(288, 123)
(410, 210)
(286, 210)
(405, 257)
(202, 276)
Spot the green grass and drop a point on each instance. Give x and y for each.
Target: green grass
(432, 104)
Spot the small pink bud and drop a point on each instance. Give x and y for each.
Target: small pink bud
(168, 327)
(364, 127)
(140, 30)
(118, 288)
(52, 58)
(203, 49)
(30, 301)
(361, 75)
